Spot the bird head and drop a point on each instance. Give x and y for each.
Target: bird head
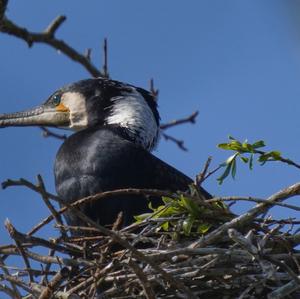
(96, 102)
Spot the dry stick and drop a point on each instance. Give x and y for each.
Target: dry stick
(285, 290)
(201, 176)
(49, 259)
(49, 133)
(46, 200)
(3, 5)
(14, 280)
(105, 63)
(153, 90)
(146, 285)
(253, 199)
(38, 289)
(99, 196)
(10, 230)
(47, 269)
(175, 283)
(248, 216)
(9, 292)
(57, 279)
(282, 159)
(179, 143)
(17, 294)
(23, 238)
(48, 37)
(87, 282)
(284, 266)
(190, 119)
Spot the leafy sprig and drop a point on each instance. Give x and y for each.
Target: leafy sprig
(183, 216)
(245, 152)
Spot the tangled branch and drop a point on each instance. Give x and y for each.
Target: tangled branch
(239, 253)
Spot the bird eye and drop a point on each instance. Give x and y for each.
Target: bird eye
(56, 100)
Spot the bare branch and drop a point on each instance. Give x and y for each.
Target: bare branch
(47, 37)
(49, 133)
(202, 175)
(52, 28)
(179, 143)
(190, 119)
(105, 63)
(3, 5)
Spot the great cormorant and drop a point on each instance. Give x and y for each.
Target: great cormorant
(117, 125)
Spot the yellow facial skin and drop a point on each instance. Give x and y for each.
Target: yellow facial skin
(62, 108)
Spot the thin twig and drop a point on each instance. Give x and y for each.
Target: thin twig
(21, 250)
(202, 175)
(146, 285)
(105, 63)
(47, 37)
(17, 294)
(248, 216)
(189, 119)
(46, 200)
(49, 133)
(179, 143)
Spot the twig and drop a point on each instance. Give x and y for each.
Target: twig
(57, 279)
(248, 216)
(54, 25)
(179, 143)
(146, 285)
(285, 290)
(48, 37)
(13, 285)
(252, 199)
(201, 176)
(16, 235)
(154, 91)
(282, 159)
(3, 5)
(212, 172)
(105, 63)
(21, 250)
(177, 284)
(190, 119)
(49, 133)
(46, 200)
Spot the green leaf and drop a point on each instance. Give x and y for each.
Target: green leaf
(224, 146)
(276, 155)
(165, 226)
(231, 158)
(190, 206)
(236, 146)
(167, 200)
(258, 144)
(247, 147)
(233, 168)
(203, 228)
(140, 218)
(225, 174)
(244, 159)
(188, 224)
(251, 162)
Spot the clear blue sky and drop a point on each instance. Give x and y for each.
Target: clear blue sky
(237, 62)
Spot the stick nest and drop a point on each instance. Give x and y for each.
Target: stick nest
(238, 256)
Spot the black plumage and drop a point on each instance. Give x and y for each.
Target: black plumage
(118, 125)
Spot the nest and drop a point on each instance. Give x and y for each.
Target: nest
(160, 256)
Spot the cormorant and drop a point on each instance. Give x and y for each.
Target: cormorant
(116, 126)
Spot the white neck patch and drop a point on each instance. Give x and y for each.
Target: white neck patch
(131, 111)
(76, 103)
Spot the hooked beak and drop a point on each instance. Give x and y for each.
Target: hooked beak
(39, 116)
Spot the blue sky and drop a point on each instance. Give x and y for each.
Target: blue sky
(236, 62)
